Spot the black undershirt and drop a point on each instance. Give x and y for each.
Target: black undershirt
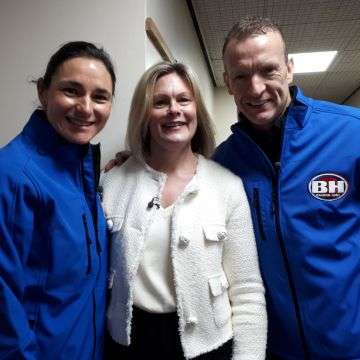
(268, 140)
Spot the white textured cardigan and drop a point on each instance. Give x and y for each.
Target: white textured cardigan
(219, 291)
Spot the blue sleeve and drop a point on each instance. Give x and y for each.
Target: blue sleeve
(17, 207)
(220, 154)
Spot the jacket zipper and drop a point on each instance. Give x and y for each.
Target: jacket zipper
(257, 206)
(94, 327)
(276, 209)
(88, 248)
(289, 273)
(88, 245)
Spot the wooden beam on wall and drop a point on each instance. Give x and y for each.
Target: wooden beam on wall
(158, 41)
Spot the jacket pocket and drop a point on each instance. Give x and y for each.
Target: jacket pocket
(219, 298)
(32, 323)
(258, 213)
(88, 245)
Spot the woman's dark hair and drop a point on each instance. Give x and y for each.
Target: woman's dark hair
(74, 49)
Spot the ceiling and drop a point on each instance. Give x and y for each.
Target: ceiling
(320, 25)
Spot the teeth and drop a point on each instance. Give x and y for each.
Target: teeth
(257, 103)
(173, 124)
(80, 122)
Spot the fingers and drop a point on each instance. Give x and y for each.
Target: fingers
(122, 156)
(110, 165)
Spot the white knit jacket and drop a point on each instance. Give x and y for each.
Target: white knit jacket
(219, 291)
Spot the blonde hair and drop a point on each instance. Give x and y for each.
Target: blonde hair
(138, 137)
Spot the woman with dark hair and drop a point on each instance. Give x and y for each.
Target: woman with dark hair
(184, 270)
(53, 247)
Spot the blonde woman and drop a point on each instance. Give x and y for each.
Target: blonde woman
(184, 278)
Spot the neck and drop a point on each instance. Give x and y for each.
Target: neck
(267, 127)
(173, 162)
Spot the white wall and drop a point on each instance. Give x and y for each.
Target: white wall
(354, 100)
(30, 31)
(225, 113)
(172, 18)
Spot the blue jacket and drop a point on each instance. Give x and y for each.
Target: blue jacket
(53, 248)
(307, 222)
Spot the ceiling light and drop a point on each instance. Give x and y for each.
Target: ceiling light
(312, 61)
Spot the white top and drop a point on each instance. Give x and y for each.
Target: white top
(219, 292)
(154, 289)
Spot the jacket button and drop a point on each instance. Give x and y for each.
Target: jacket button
(221, 235)
(191, 321)
(183, 242)
(109, 224)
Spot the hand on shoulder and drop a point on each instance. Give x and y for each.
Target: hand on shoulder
(120, 158)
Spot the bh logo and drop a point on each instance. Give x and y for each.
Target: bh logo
(328, 187)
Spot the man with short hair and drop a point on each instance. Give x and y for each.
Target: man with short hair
(299, 159)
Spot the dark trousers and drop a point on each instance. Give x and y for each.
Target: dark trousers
(156, 337)
(272, 357)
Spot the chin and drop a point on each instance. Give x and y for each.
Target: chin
(78, 140)
(263, 119)
(175, 144)
(174, 139)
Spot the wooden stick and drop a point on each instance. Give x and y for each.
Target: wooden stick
(155, 37)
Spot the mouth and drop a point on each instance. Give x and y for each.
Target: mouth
(79, 122)
(257, 104)
(173, 124)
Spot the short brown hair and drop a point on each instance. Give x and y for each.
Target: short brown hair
(252, 25)
(137, 136)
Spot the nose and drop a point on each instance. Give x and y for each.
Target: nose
(84, 106)
(256, 85)
(174, 107)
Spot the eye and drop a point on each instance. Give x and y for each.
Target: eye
(159, 103)
(185, 100)
(269, 71)
(239, 77)
(101, 98)
(70, 91)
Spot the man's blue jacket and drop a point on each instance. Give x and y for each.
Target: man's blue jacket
(306, 214)
(53, 248)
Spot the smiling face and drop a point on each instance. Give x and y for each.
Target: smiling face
(79, 99)
(258, 75)
(172, 119)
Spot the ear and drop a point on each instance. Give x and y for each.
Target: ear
(290, 71)
(227, 82)
(42, 93)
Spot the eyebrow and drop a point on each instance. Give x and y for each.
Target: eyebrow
(245, 69)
